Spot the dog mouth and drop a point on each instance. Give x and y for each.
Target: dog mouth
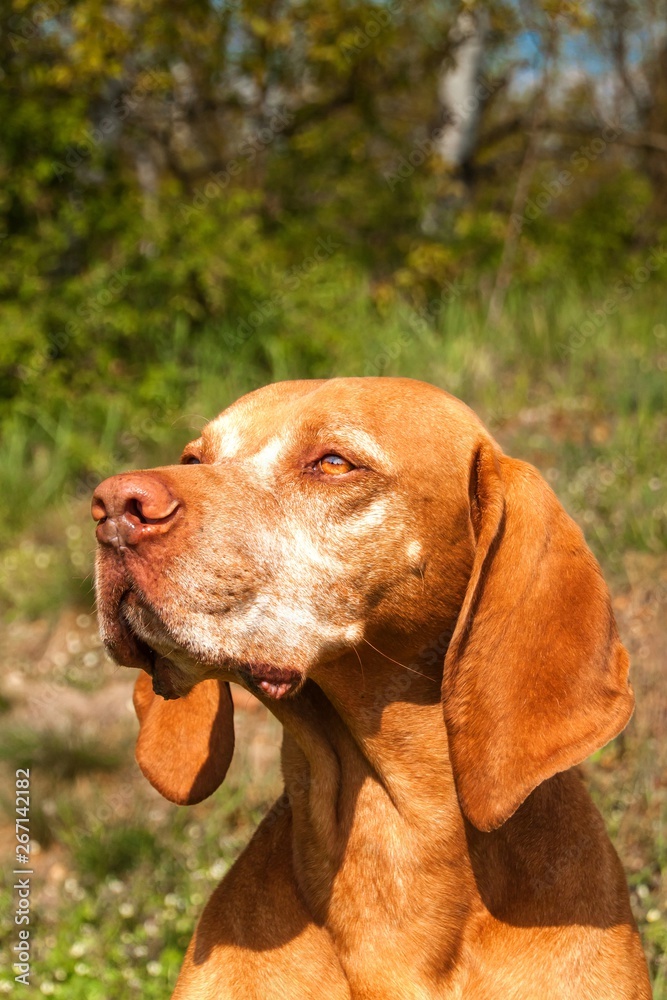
(132, 628)
(274, 682)
(129, 648)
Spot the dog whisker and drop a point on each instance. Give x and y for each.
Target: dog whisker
(405, 667)
(363, 676)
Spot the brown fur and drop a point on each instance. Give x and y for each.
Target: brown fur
(412, 856)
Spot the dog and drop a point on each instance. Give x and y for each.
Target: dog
(434, 635)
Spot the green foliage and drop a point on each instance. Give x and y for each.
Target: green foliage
(164, 172)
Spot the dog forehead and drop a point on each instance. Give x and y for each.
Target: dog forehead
(237, 431)
(245, 426)
(382, 418)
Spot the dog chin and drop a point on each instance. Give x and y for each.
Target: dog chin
(135, 637)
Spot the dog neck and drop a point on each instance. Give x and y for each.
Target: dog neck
(378, 837)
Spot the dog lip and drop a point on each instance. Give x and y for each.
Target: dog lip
(131, 650)
(122, 643)
(276, 690)
(276, 682)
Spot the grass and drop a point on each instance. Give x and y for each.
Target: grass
(123, 875)
(589, 410)
(57, 754)
(133, 891)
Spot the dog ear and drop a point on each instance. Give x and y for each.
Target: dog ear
(185, 745)
(535, 676)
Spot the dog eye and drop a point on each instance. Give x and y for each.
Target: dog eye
(334, 465)
(190, 460)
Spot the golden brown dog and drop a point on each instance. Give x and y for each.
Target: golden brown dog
(428, 625)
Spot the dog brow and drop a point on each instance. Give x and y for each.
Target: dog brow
(365, 443)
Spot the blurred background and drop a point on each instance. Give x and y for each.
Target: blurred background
(199, 199)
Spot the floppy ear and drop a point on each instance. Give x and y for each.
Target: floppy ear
(185, 745)
(535, 676)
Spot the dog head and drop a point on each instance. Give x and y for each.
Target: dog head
(310, 516)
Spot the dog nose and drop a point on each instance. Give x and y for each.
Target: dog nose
(133, 507)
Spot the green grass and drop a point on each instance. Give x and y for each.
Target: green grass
(57, 754)
(590, 412)
(135, 875)
(129, 903)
